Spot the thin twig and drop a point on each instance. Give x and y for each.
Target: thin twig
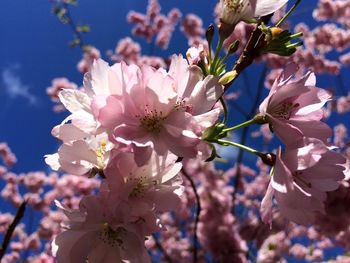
(161, 249)
(74, 27)
(198, 211)
(11, 229)
(251, 50)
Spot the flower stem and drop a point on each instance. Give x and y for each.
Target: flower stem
(238, 145)
(216, 57)
(241, 125)
(288, 13)
(224, 106)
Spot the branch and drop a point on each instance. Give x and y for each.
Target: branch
(74, 27)
(11, 229)
(198, 211)
(251, 50)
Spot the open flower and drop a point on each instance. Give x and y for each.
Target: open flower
(146, 190)
(300, 180)
(164, 111)
(86, 156)
(293, 108)
(95, 234)
(233, 11)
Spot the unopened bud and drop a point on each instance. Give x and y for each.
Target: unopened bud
(275, 31)
(210, 33)
(228, 77)
(268, 158)
(233, 47)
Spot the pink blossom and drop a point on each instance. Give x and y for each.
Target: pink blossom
(167, 111)
(234, 11)
(337, 10)
(345, 58)
(143, 191)
(300, 180)
(154, 23)
(298, 250)
(127, 50)
(293, 108)
(90, 55)
(196, 54)
(57, 85)
(6, 154)
(82, 157)
(343, 104)
(273, 248)
(94, 233)
(192, 27)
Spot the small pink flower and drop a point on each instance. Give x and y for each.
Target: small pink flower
(300, 180)
(86, 156)
(293, 108)
(146, 190)
(196, 54)
(93, 233)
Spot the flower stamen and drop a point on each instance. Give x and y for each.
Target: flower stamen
(110, 236)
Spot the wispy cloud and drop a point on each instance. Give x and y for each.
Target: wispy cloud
(14, 86)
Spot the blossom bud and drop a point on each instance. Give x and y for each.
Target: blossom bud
(279, 42)
(228, 77)
(210, 33)
(233, 47)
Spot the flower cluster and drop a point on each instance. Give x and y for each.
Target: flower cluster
(129, 125)
(309, 167)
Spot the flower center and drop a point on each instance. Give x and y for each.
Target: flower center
(234, 5)
(100, 152)
(112, 237)
(284, 110)
(142, 184)
(152, 120)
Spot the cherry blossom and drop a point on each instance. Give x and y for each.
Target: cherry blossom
(293, 108)
(167, 111)
(300, 180)
(93, 233)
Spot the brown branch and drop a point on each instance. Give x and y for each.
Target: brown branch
(198, 211)
(251, 51)
(11, 229)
